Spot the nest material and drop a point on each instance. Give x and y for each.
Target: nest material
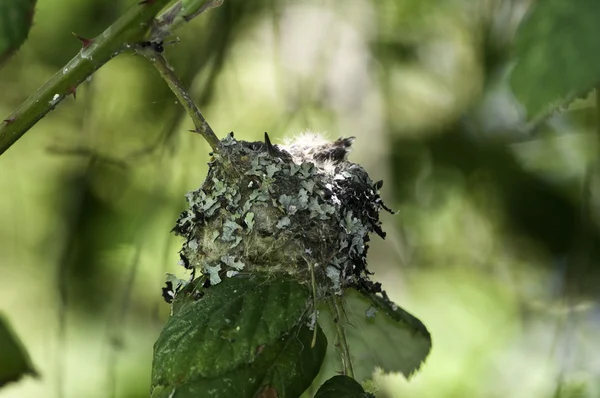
(292, 209)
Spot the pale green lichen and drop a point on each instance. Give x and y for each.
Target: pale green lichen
(229, 229)
(249, 220)
(231, 262)
(283, 222)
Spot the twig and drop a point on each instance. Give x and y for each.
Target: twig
(84, 151)
(597, 94)
(179, 13)
(131, 28)
(334, 306)
(166, 71)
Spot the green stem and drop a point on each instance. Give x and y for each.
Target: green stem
(598, 115)
(166, 71)
(336, 308)
(179, 13)
(313, 282)
(128, 30)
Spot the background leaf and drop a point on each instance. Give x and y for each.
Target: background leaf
(14, 360)
(16, 17)
(389, 338)
(227, 329)
(558, 53)
(342, 386)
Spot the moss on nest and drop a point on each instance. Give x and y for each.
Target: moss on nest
(283, 209)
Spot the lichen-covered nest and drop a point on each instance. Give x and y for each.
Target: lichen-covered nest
(302, 209)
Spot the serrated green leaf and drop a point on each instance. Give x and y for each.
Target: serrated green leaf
(381, 335)
(342, 386)
(283, 369)
(558, 53)
(14, 360)
(225, 329)
(16, 17)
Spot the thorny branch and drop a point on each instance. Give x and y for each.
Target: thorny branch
(135, 26)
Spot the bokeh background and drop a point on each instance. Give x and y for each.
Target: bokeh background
(494, 248)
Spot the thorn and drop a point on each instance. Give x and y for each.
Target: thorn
(259, 349)
(10, 120)
(30, 14)
(378, 185)
(270, 147)
(85, 43)
(72, 90)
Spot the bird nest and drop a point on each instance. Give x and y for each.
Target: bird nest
(301, 209)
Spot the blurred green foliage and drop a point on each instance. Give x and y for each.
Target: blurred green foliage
(15, 361)
(557, 54)
(15, 20)
(495, 247)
